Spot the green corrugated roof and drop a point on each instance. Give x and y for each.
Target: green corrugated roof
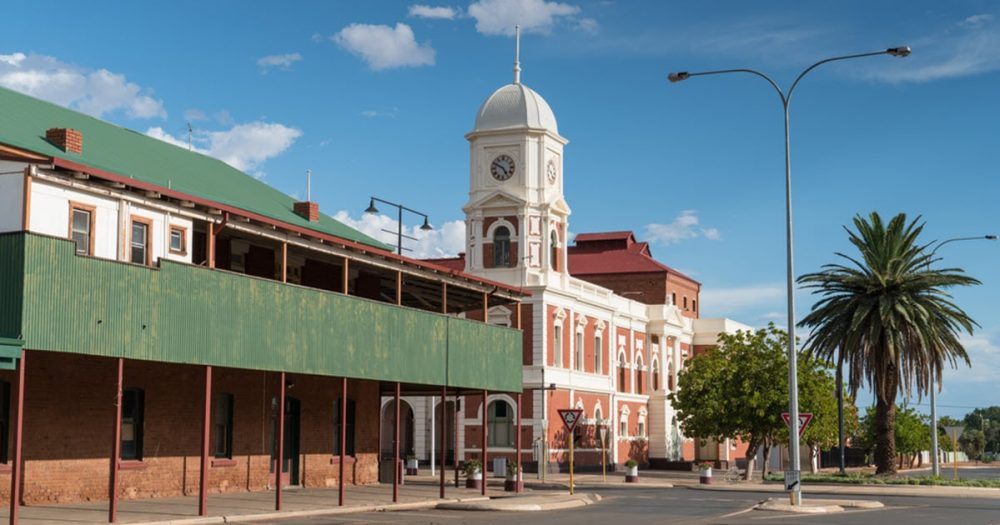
(24, 119)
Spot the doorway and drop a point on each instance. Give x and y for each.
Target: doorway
(290, 448)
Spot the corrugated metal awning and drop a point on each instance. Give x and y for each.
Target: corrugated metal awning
(10, 352)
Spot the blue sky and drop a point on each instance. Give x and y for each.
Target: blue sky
(374, 97)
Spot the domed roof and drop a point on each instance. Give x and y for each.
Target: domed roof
(515, 106)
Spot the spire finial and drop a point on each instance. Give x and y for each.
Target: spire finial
(309, 176)
(517, 54)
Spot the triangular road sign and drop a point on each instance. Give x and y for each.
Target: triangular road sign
(570, 417)
(804, 419)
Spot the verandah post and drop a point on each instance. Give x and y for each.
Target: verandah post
(395, 452)
(485, 459)
(206, 426)
(15, 469)
(279, 467)
(343, 436)
(116, 447)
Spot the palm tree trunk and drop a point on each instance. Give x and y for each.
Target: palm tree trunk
(885, 435)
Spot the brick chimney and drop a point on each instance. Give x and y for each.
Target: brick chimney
(68, 139)
(308, 210)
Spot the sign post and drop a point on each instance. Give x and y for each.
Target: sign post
(570, 417)
(793, 479)
(954, 432)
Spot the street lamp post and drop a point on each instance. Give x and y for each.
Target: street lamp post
(792, 477)
(935, 460)
(399, 221)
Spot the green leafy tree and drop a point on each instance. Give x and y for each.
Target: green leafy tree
(740, 388)
(988, 420)
(912, 433)
(888, 315)
(973, 442)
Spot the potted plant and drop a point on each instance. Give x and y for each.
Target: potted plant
(631, 471)
(473, 474)
(412, 464)
(705, 473)
(512, 484)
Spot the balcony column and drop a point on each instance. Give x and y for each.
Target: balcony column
(444, 301)
(486, 308)
(343, 438)
(517, 481)
(399, 288)
(279, 467)
(206, 426)
(444, 432)
(15, 468)
(284, 261)
(346, 276)
(457, 445)
(395, 451)
(116, 447)
(485, 458)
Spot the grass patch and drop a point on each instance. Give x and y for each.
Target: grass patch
(870, 479)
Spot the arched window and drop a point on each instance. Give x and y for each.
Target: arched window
(500, 424)
(578, 350)
(554, 256)
(598, 350)
(622, 373)
(656, 375)
(501, 247)
(557, 346)
(638, 380)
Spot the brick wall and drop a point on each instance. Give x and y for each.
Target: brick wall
(69, 420)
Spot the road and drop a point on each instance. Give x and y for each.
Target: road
(684, 506)
(963, 472)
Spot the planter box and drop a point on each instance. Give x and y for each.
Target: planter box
(474, 481)
(631, 474)
(512, 485)
(705, 476)
(412, 467)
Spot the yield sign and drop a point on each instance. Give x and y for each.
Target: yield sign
(804, 419)
(570, 417)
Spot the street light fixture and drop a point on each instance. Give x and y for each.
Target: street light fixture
(792, 477)
(935, 460)
(371, 210)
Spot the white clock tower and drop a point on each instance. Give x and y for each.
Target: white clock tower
(516, 217)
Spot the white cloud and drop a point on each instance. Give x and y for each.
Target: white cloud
(498, 17)
(963, 49)
(685, 226)
(984, 351)
(270, 62)
(194, 115)
(976, 20)
(244, 146)
(728, 299)
(377, 113)
(384, 47)
(97, 92)
(445, 240)
(588, 25)
(425, 11)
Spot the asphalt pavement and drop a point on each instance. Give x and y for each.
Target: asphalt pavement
(658, 505)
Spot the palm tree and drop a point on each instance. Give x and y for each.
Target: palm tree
(888, 316)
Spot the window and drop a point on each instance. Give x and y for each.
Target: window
(656, 375)
(622, 375)
(222, 426)
(81, 227)
(554, 255)
(349, 442)
(139, 242)
(623, 427)
(132, 421)
(578, 351)
(500, 425)
(685, 303)
(638, 380)
(673, 298)
(642, 428)
(694, 305)
(178, 240)
(4, 420)
(501, 247)
(598, 350)
(557, 347)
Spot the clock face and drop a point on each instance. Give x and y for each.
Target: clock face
(550, 171)
(502, 168)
